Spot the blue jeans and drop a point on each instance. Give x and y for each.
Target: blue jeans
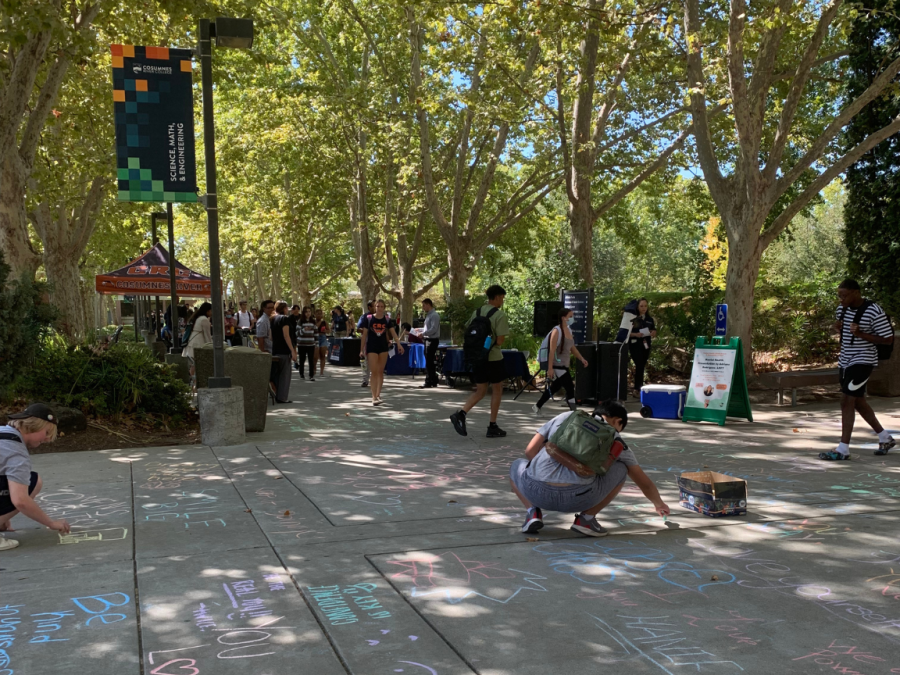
(573, 498)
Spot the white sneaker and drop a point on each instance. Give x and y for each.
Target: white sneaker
(535, 409)
(7, 544)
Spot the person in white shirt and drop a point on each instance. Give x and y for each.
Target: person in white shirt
(432, 337)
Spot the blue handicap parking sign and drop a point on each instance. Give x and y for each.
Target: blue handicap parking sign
(721, 319)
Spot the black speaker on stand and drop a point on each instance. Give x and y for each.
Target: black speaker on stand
(586, 376)
(612, 371)
(545, 316)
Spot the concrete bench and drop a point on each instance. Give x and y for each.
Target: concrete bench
(797, 379)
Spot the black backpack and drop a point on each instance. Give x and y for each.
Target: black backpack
(478, 339)
(884, 351)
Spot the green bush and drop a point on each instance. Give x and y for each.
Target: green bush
(125, 378)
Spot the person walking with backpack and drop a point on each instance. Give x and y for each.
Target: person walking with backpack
(485, 333)
(555, 356)
(578, 463)
(866, 337)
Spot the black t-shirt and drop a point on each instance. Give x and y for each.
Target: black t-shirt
(279, 344)
(292, 323)
(378, 330)
(339, 321)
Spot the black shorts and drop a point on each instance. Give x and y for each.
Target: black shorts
(492, 372)
(6, 505)
(378, 348)
(854, 378)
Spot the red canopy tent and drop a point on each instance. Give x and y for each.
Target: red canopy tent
(149, 275)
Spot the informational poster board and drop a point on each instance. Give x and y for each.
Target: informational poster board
(154, 107)
(582, 305)
(718, 386)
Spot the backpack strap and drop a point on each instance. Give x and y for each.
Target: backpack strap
(10, 437)
(493, 311)
(858, 316)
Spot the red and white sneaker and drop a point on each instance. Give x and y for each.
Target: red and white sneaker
(534, 521)
(588, 526)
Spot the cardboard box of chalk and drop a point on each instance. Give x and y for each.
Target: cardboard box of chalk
(713, 494)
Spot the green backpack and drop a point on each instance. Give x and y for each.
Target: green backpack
(589, 440)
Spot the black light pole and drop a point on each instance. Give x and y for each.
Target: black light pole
(156, 316)
(237, 33)
(173, 289)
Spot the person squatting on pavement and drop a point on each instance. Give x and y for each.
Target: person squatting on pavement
(863, 328)
(553, 480)
(19, 485)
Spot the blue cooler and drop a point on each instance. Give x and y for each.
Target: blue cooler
(663, 401)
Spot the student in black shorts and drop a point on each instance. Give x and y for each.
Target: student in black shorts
(493, 373)
(859, 356)
(19, 485)
(377, 332)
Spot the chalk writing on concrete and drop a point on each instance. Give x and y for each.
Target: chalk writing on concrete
(658, 640)
(335, 603)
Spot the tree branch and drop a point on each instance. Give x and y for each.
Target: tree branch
(792, 102)
(700, 122)
(777, 226)
(818, 146)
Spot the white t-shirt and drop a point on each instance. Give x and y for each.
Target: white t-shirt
(244, 319)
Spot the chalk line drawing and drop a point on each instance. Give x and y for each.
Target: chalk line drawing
(413, 663)
(108, 534)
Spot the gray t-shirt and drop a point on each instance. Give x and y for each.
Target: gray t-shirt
(15, 462)
(547, 470)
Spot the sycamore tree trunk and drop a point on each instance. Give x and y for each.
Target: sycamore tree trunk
(14, 242)
(744, 257)
(581, 223)
(65, 283)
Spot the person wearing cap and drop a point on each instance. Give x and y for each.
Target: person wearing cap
(19, 485)
(552, 480)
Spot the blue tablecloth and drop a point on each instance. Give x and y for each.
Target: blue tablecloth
(407, 363)
(516, 365)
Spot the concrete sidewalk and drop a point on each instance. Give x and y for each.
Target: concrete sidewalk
(355, 539)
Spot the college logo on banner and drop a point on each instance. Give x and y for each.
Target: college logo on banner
(153, 95)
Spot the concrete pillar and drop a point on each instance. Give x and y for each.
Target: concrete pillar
(885, 380)
(182, 366)
(248, 368)
(159, 350)
(221, 416)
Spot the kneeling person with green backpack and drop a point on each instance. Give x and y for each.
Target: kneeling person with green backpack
(577, 463)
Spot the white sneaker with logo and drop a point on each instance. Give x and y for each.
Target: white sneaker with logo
(7, 544)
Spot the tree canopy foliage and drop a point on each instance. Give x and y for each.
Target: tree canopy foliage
(426, 148)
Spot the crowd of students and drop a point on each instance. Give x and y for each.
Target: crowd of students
(554, 474)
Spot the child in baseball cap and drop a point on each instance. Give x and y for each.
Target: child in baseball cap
(18, 483)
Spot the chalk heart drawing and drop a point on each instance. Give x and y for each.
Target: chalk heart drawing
(182, 670)
(691, 579)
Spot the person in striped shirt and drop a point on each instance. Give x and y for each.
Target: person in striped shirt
(861, 325)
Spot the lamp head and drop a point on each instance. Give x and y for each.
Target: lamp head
(233, 33)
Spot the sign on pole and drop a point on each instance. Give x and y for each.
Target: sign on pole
(721, 320)
(582, 305)
(153, 100)
(718, 386)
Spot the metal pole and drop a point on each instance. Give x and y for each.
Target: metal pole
(156, 315)
(173, 289)
(218, 380)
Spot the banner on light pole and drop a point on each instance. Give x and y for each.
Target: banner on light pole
(153, 100)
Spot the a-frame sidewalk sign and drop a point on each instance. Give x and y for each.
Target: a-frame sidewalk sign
(718, 386)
